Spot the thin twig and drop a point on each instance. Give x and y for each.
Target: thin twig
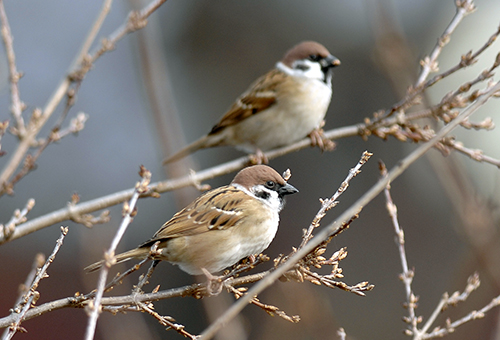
(24, 289)
(76, 125)
(429, 64)
(143, 279)
(476, 154)
(271, 310)
(466, 60)
(90, 38)
(17, 218)
(328, 204)
(135, 21)
(17, 106)
(32, 295)
(407, 275)
(446, 300)
(3, 127)
(129, 211)
(365, 199)
(165, 320)
(473, 315)
(114, 282)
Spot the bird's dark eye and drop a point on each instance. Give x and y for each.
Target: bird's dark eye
(270, 184)
(314, 57)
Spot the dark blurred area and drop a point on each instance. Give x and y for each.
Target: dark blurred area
(205, 55)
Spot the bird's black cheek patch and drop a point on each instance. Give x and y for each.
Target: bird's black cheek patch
(262, 194)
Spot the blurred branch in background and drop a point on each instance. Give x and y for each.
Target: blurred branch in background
(40, 117)
(155, 75)
(81, 66)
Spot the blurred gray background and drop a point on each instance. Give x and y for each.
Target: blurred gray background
(202, 55)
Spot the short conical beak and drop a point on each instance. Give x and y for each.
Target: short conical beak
(287, 189)
(329, 61)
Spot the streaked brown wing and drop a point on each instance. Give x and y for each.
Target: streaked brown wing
(218, 209)
(258, 97)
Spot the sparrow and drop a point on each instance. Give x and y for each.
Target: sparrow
(279, 108)
(220, 227)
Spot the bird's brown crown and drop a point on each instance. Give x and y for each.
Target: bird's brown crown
(257, 174)
(304, 50)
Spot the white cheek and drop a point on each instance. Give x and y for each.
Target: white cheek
(273, 201)
(313, 72)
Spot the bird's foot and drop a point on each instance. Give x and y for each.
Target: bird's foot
(258, 158)
(214, 283)
(318, 139)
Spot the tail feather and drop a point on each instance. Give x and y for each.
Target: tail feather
(138, 253)
(207, 141)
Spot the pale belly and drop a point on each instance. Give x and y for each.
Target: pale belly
(285, 122)
(193, 253)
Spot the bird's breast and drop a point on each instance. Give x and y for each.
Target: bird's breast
(218, 249)
(298, 110)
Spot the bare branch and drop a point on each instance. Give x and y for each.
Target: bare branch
(17, 106)
(32, 294)
(136, 20)
(332, 202)
(429, 64)
(407, 275)
(472, 284)
(165, 320)
(476, 154)
(271, 310)
(412, 299)
(3, 127)
(473, 315)
(129, 211)
(76, 125)
(18, 218)
(24, 288)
